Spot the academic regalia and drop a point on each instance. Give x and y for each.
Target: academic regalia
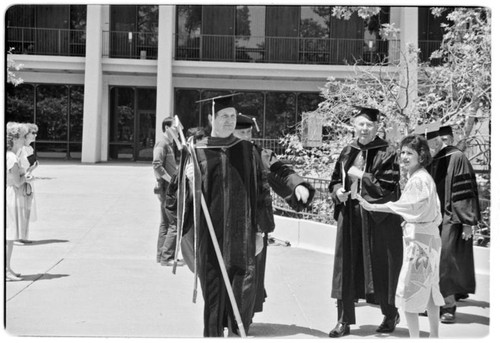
(283, 181)
(236, 192)
(457, 189)
(369, 248)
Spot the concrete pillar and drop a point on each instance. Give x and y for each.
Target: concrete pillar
(91, 140)
(164, 88)
(409, 35)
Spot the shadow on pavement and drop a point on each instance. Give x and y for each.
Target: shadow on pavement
(282, 330)
(473, 303)
(46, 241)
(370, 330)
(36, 277)
(467, 318)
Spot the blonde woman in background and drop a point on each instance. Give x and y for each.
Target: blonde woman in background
(28, 162)
(14, 198)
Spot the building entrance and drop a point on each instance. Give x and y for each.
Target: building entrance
(132, 123)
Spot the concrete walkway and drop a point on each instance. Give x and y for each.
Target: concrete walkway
(92, 271)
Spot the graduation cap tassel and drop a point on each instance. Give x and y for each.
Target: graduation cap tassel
(256, 125)
(215, 243)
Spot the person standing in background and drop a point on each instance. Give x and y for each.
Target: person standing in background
(14, 198)
(165, 166)
(29, 163)
(457, 189)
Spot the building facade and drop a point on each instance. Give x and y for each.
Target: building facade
(99, 79)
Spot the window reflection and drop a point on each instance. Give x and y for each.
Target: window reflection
(51, 112)
(280, 114)
(58, 112)
(250, 33)
(277, 113)
(188, 32)
(19, 103)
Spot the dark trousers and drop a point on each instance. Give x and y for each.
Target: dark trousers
(387, 259)
(167, 235)
(345, 311)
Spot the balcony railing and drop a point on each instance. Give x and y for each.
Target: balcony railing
(252, 49)
(134, 45)
(40, 41)
(298, 50)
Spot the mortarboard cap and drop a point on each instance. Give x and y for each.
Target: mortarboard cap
(446, 130)
(371, 114)
(243, 121)
(220, 102)
(429, 130)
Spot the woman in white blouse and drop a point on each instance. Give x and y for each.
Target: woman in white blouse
(418, 284)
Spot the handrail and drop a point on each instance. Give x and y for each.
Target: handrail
(45, 41)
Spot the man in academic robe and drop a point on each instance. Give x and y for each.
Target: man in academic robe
(286, 183)
(457, 189)
(230, 175)
(369, 246)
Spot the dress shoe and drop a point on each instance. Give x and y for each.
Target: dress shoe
(388, 324)
(341, 329)
(448, 315)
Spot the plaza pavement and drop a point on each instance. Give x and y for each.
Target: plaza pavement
(91, 272)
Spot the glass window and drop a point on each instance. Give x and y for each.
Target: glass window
(52, 119)
(76, 114)
(280, 114)
(146, 111)
(314, 33)
(78, 25)
(315, 21)
(282, 30)
(122, 114)
(52, 112)
(188, 32)
(217, 27)
(250, 33)
(134, 31)
(20, 103)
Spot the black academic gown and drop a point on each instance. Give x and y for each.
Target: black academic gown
(236, 191)
(457, 189)
(283, 181)
(369, 247)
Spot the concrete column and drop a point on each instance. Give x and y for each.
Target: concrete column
(91, 140)
(409, 36)
(164, 88)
